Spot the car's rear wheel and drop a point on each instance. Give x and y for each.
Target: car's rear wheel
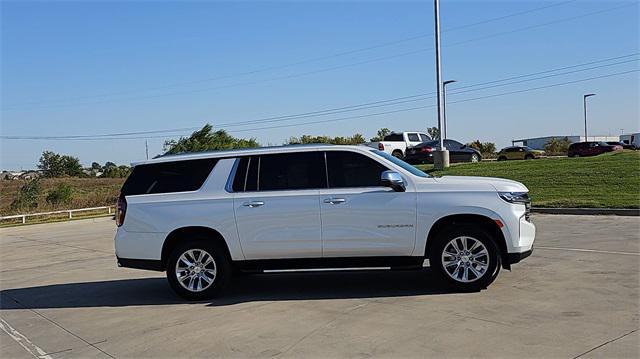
(475, 158)
(465, 257)
(198, 269)
(397, 154)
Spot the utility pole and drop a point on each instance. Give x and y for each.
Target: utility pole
(444, 105)
(441, 158)
(584, 103)
(146, 147)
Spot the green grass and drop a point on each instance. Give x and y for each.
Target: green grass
(606, 181)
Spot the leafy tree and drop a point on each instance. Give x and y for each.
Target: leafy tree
(56, 165)
(307, 139)
(27, 197)
(95, 166)
(60, 195)
(109, 165)
(116, 172)
(433, 132)
(206, 139)
(487, 149)
(380, 136)
(557, 146)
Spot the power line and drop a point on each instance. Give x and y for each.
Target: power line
(327, 69)
(360, 116)
(375, 104)
(309, 60)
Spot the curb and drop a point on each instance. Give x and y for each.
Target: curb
(589, 211)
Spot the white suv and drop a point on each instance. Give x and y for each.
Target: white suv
(200, 217)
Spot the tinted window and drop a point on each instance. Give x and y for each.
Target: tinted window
(349, 169)
(178, 176)
(511, 149)
(401, 163)
(251, 183)
(394, 137)
(452, 144)
(424, 137)
(304, 170)
(241, 174)
(413, 137)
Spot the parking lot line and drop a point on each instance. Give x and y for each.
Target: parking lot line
(587, 250)
(24, 342)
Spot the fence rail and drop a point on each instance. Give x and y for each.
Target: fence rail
(109, 209)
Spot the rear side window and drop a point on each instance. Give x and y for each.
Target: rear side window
(291, 171)
(413, 137)
(349, 169)
(393, 137)
(424, 138)
(178, 176)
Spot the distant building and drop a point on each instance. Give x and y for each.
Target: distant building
(538, 143)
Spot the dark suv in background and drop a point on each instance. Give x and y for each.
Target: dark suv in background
(581, 149)
(458, 152)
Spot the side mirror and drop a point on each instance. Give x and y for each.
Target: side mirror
(463, 146)
(394, 180)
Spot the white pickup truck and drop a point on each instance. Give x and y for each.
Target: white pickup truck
(396, 143)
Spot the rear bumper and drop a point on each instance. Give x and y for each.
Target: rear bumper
(148, 264)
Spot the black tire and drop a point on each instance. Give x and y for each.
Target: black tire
(502, 158)
(397, 154)
(528, 157)
(222, 265)
(474, 158)
(442, 240)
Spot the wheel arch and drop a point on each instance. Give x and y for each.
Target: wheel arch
(190, 233)
(480, 220)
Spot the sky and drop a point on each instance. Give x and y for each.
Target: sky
(87, 68)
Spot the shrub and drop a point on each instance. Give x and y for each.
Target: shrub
(27, 197)
(487, 149)
(557, 146)
(60, 195)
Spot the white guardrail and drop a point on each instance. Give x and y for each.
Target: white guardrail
(109, 209)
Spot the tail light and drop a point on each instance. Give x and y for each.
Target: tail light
(380, 146)
(121, 210)
(426, 149)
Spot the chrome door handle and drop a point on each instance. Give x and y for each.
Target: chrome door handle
(335, 200)
(253, 204)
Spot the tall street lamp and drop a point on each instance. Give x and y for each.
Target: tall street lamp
(441, 156)
(444, 105)
(584, 103)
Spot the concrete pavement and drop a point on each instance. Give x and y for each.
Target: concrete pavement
(577, 295)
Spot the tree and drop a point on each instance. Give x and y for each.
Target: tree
(95, 166)
(381, 134)
(307, 139)
(60, 195)
(206, 139)
(557, 146)
(109, 165)
(27, 197)
(434, 133)
(56, 165)
(116, 171)
(487, 149)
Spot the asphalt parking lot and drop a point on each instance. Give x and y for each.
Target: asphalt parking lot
(576, 296)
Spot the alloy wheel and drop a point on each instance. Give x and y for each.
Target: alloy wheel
(196, 270)
(465, 259)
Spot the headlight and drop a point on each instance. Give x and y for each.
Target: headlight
(515, 197)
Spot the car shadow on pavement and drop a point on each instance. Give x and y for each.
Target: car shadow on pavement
(242, 289)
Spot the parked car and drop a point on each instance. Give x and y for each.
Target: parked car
(631, 139)
(626, 146)
(519, 153)
(396, 143)
(458, 152)
(591, 148)
(200, 217)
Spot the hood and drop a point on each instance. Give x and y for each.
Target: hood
(499, 184)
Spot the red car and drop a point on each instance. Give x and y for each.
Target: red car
(580, 149)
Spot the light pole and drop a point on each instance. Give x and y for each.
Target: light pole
(584, 103)
(441, 158)
(444, 105)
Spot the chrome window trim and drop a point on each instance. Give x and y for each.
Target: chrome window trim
(229, 185)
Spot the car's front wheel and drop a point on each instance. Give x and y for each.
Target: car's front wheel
(475, 158)
(198, 269)
(465, 257)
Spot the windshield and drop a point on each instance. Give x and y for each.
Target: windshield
(400, 163)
